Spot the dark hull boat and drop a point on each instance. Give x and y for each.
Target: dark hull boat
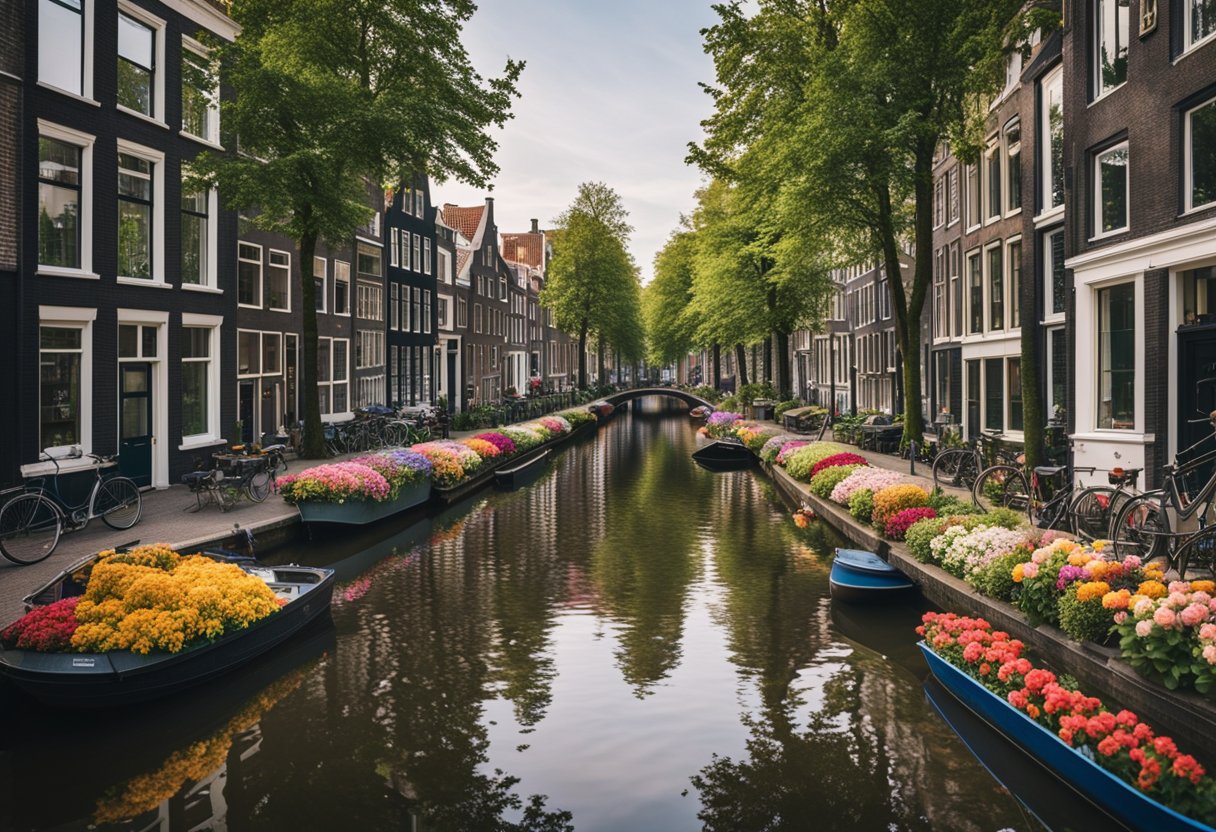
(523, 472)
(859, 576)
(724, 455)
(91, 680)
(700, 413)
(1111, 794)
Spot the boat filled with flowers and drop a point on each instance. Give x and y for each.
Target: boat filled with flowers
(361, 490)
(1110, 758)
(125, 626)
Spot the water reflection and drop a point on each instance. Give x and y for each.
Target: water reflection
(630, 642)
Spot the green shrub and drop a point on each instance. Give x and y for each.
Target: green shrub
(827, 479)
(788, 404)
(706, 392)
(730, 403)
(861, 505)
(920, 534)
(1006, 518)
(748, 393)
(995, 578)
(947, 504)
(1084, 620)
(799, 464)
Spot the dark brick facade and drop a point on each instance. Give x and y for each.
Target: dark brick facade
(413, 332)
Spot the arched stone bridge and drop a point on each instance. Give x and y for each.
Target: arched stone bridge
(671, 392)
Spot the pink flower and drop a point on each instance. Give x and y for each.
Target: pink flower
(1143, 607)
(1030, 570)
(1208, 632)
(1193, 614)
(1144, 628)
(1176, 600)
(1120, 616)
(1132, 562)
(1180, 587)
(1165, 617)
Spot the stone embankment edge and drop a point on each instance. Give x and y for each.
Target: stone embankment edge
(1185, 715)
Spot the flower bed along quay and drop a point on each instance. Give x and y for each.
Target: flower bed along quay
(361, 490)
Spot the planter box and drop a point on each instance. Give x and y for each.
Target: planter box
(1097, 785)
(362, 512)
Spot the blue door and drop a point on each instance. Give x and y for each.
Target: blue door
(135, 421)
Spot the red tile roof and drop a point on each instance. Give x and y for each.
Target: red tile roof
(462, 257)
(464, 220)
(526, 248)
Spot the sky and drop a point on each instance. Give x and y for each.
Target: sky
(609, 94)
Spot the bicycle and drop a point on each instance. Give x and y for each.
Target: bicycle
(959, 467)
(35, 515)
(253, 477)
(1151, 526)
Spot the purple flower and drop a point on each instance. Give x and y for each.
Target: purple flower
(1068, 574)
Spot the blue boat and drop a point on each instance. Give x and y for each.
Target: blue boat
(1111, 794)
(859, 576)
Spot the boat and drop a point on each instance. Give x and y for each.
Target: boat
(700, 413)
(90, 680)
(863, 576)
(1111, 794)
(1050, 801)
(724, 455)
(363, 512)
(522, 472)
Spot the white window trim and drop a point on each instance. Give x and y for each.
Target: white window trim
(394, 251)
(1006, 157)
(1049, 316)
(1095, 49)
(350, 288)
(158, 59)
(1012, 325)
(1190, 46)
(212, 139)
(85, 142)
(241, 331)
(83, 319)
(965, 190)
(261, 276)
(86, 77)
(993, 149)
(211, 276)
(266, 271)
(1043, 140)
(213, 323)
(160, 388)
(1187, 151)
(325, 305)
(1096, 191)
(1090, 413)
(157, 158)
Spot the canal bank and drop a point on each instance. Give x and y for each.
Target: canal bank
(1097, 668)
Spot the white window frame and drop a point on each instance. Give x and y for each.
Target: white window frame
(1188, 165)
(1095, 68)
(1053, 79)
(158, 60)
(992, 152)
(1011, 149)
(211, 273)
(85, 142)
(157, 159)
(1013, 323)
(265, 272)
(1049, 315)
(257, 351)
(212, 139)
(261, 267)
(214, 324)
(1188, 15)
(394, 250)
(426, 255)
(1138, 368)
(86, 75)
(1096, 192)
(82, 319)
(417, 253)
(972, 184)
(324, 263)
(350, 295)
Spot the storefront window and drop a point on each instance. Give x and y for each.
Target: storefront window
(1117, 357)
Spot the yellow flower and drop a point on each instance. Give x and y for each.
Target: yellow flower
(1018, 573)
(1099, 545)
(1203, 586)
(1090, 590)
(1152, 589)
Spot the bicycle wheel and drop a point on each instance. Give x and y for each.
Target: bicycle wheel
(118, 503)
(1198, 550)
(1091, 512)
(1002, 486)
(955, 468)
(258, 486)
(1141, 529)
(30, 526)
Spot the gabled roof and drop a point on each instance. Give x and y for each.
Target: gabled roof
(527, 248)
(464, 220)
(463, 255)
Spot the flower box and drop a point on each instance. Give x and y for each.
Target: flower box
(361, 512)
(1097, 785)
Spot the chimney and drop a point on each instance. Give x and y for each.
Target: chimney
(535, 227)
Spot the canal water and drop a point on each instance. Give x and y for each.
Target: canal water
(630, 642)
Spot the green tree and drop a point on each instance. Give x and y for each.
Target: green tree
(670, 324)
(333, 97)
(837, 110)
(592, 284)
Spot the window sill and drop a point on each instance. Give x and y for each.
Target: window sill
(191, 443)
(1125, 437)
(74, 96)
(249, 306)
(1194, 47)
(1198, 209)
(1106, 94)
(200, 140)
(67, 465)
(78, 274)
(137, 114)
(196, 287)
(1106, 235)
(137, 281)
(1050, 215)
(277, 309)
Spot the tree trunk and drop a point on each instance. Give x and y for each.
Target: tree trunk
(785, 386)
(741, 370)
(313, 446)
(768, 360)
(716, 367)
(1033, 417)
(599, 354)
(582, 356)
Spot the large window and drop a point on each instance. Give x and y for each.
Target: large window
(1013, 262)
(59, 203)
(418, 253)
(1110, 53)
(996, 289)
(249, 274)
(418, 310)
(369, 349)
(136, 64)
(956, 292)
(1056, 293)
(1013, 165)
(61, 355)
(1200, 20)
(341, 287)
(320, 283)
(426, 310)
(992, 181)
(1110, 190)
(134, 216)
(1201, 151)
(941, 313)
(1057, 370)
(200, 108)
(952, 196)
(1051, 140)
(195, 238)
(61, 47)
(196, 380)
(1014, 377)
(333, 374)
(1117, 357)
(973, 196)
(994, 394)
(370, 301)
(278, 281)
(975, 293)
(367, 260)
